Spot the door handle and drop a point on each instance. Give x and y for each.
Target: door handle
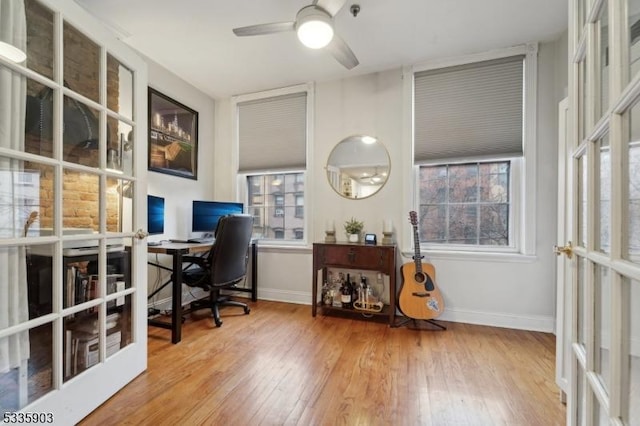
(567, 250)
(141, 234)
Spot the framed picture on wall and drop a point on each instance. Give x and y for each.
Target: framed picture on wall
(173, 137)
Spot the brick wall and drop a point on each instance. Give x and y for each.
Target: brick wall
(81, 73)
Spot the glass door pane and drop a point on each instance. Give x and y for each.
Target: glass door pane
(603, 59)
(582, 164)
(81, 63)
(602, 324)
(581, 302)
(631, 249)
(634, 37)
(604, 195)
(631, 353)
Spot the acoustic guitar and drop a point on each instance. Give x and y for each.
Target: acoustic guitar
(419, 297)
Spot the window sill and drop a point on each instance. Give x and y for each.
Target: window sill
(474, 256)
(279, 246)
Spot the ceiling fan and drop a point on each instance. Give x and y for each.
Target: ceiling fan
(374, 178)
(314, 27)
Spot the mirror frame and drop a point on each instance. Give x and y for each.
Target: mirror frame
(338, 189)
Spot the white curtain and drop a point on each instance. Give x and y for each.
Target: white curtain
(14, 350)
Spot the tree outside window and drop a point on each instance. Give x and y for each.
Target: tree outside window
(465, 204)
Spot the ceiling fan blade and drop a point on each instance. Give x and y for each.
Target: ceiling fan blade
(260, 29)
(331, 6)
(343, 54)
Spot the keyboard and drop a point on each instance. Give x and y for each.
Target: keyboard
(194, 241)
(201, 240)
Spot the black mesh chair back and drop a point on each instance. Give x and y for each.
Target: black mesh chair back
(224, 267)
(229, 255)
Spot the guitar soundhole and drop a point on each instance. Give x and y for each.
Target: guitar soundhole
(422, 278)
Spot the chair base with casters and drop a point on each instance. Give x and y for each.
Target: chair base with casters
(223, 267)
(214, 302)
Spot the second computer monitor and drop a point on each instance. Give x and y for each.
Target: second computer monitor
(155, 215)
(205, 214)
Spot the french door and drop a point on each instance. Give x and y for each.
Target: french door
(564, 278)
(603, 157)
(72, 186)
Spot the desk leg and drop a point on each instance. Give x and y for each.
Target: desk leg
(176, 299)
(254, 272)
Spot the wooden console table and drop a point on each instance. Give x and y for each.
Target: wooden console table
(381, 258)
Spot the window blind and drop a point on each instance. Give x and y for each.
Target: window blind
(469, 110)
(273, 133)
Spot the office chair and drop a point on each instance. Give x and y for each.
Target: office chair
(223, 267)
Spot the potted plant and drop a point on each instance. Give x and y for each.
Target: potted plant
(353, 228)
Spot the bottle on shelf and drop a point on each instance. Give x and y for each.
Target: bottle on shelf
(363, 291)
(326, 293)
(354, 291)
(345, 294)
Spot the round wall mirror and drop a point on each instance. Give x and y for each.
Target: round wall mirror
(358, 167)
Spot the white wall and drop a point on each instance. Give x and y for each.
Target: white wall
(179, 192)
(518, 293)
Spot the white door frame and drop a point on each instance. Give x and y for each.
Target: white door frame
(563, 265)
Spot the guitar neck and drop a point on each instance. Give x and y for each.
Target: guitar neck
(416, 246)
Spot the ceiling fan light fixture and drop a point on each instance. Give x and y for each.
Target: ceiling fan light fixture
(369, 140)
(314, 27)
(12, 53)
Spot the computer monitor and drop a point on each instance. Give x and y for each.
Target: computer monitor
(205, 214)
(155, 215)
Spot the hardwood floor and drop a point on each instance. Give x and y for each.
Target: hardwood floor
(281, 366)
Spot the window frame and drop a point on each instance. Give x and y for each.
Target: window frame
(515, 202)
(275, 200)
(523, 188)
(241, 189)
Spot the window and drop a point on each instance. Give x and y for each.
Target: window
(278, 214)
(299, 205)
(279, 203)
(272, 146)
(470, 134)
(465, 203)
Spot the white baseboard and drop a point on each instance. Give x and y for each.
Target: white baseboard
(288, 296)
(495, 319)
(506, 320)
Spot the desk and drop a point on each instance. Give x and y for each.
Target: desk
(177, 250)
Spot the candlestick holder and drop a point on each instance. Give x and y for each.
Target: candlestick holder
(387, 237)
(330, 236)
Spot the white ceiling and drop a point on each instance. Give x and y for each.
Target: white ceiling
(194, 38)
